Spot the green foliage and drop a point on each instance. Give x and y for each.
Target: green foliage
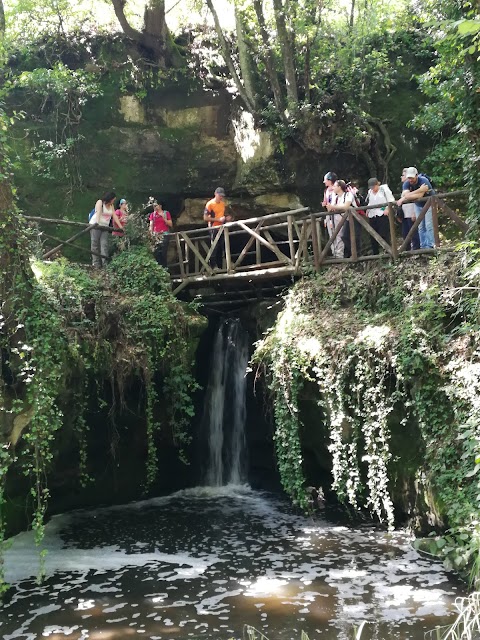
(61, 339)
(398, 344)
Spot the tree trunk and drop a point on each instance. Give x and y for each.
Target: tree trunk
(2, 19)
(287, 51)
(268, 60)
(244, 57)
(352, 14)
(155, 35)
(229, 61)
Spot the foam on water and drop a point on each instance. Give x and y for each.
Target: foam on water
(218, 554)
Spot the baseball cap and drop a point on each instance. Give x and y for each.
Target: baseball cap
(411, 172)
(372, 182)
(122, 201)
(329, 176)
(220, 191)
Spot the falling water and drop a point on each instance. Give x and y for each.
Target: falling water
(225, 406)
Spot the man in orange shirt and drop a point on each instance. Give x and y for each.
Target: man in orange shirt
(214, 214)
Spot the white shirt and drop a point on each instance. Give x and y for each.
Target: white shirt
(345, 198)
(382, 196)
(408, 209)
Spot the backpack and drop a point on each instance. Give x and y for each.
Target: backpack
(358, 199)
(91, 214)
(424, 175)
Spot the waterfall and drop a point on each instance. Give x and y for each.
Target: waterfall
(225, 407)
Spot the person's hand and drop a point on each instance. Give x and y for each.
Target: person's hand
(400, 202)
(222, 219)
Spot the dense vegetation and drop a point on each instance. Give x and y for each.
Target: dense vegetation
(395, 357)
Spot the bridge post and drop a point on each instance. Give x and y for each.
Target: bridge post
(228, 254)
(353, 239)
(436, 234)
(393, 235)
(315, 243)
(290, 239)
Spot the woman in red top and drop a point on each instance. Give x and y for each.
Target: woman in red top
(160, 223)
(119, 225)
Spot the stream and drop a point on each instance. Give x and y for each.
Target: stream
(202, 563)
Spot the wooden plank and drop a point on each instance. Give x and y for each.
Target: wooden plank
(333, 237)
(213, 244)
(195, 251)
(76, 246)
(436, 234)
(250, 241)
(228, 255)
(393, 233)
(372, 232)
(63, 242)
(313, 224)
(290, 238)
(258, 252)
(353, 242)
(301, 246)
(180, 255)
(420, 217)
(453, 215)
(268, 236)
(272, 247)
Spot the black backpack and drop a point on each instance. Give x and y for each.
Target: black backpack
(424, 175)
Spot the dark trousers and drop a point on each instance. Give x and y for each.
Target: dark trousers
(382, 227)
(407, 224)
(347, 241)
(161, 248)
(216, 259)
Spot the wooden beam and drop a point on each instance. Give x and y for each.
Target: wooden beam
(76, 246)
(333, 237)
(353, 240)
(213, 244)
(272, 248)
(393, 233)
(372, 232)
(415, 226)
(63, 242)
(315, 245)
(228, 255)
(436, 234)
(196, 252)
(290, 238)
(250, 241)
(453, 215)
(283, 257)
(180, 255)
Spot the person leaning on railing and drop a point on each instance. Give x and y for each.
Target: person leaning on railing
(408, 218)
(415, 187)
(378, 217)
(215, 215)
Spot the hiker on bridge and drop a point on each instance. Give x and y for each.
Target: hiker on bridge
(160, 225)
(418, 186)
(341, 201)
(378, 217)
(99, 238)
(215, 215)
(407, 217)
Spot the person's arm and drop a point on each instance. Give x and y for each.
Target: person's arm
(341, 208)
(117, 221)
(98, 211)
(168, 220)
(207, 215)
(414, 195)
(150, 226)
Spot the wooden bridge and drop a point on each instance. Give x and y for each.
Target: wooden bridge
(262, 255)
(281, 245)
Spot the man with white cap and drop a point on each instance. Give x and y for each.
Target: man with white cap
(414, 188)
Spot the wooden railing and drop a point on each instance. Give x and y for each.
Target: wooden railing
(280, 244)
